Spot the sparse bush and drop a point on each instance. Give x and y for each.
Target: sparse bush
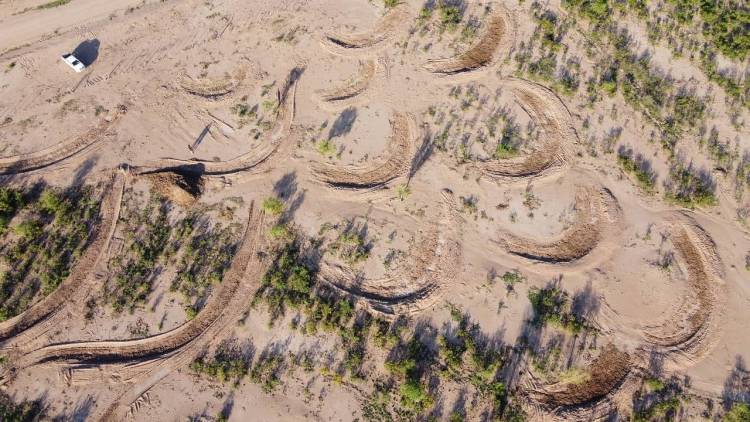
(205, 259)
(740, 412)
(326, 147)
(551, 305)
(511, 278)
(25, 411)
(450, 16)
(51, 236)
(137, 268)
(689, 187)
(390, 4)
(637, 165)
(403, 192)
(228, 364)
(273, 206)
(266, 372)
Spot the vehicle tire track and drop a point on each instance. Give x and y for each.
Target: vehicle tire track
(256, 161)
(597, 219)
(558, 135)
(394, 164)
(38, 319)
(360, 43)
(433, 264)
(55, 154)
(499, 32)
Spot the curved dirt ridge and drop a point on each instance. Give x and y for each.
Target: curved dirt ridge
(558, 135)
(499, 26)
(607, 372)
(394, 164)
(256, 161)
(343, 95)
(596, 219)
(365, 41)
(212, 88)
(82, 270)
(144, 373)
(613, 373)
(433, 261)
(121, 351)
(694, 327)
(54, 154)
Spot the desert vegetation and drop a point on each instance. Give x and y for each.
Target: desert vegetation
(198, 249)
(44, 230)
(375, 210)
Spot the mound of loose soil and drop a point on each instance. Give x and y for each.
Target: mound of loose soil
(182, 189)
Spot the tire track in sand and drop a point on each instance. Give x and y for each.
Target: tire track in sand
(227, 304)
(344, 95)
(558, 135)
(54, 154)
(360, 43)
(597, 219)
(694, 328)
(612, 378)
(42, 316)
(499, 32)
(255, 161)
(394, 164)
(433, 263)
(212, 89)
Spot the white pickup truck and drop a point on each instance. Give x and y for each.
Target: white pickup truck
(73, 62)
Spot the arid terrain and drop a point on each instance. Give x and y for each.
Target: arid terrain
(375, 210)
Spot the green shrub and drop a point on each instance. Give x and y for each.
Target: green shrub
(450, 16)
(690, 188)
(10, 202)
(636, 165)
(273, 206)
(326, 147)
(390, 4)
(25, 411)
(414, 396)
(280, 232)
(740, 412)
(551, 306)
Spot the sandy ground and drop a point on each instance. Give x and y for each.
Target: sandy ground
(166, 70)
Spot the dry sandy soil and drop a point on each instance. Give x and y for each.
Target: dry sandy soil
(336, 106)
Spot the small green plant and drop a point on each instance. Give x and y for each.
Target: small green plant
(740, 412)
(403, 192)
(450, 16)
(505, 151)
(28, 229)
(390, 4)
(280, 232)
(469, 204)
(414, 396)
(655, 384)
(52, 4)
(273, 206)
(511, 278)
(269, 105)
(326, 147)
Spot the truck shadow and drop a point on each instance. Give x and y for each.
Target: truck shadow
(87, 52)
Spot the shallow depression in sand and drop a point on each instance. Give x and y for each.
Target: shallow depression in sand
(638, 289)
